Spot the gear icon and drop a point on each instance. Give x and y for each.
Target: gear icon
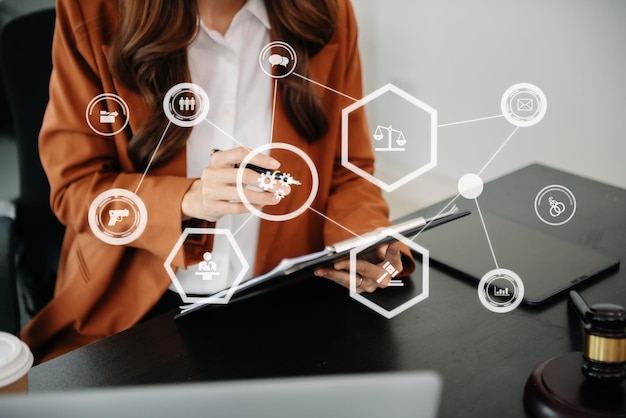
(287, 179)
(280, 194)
(284, 178)
(267, 181)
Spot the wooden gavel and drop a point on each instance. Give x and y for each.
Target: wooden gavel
(605, 340)
(557, 388)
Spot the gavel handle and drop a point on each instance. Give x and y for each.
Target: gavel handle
(579, 304)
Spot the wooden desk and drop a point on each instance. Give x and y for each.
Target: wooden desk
(312, 327)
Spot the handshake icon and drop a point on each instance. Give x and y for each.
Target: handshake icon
(117, 215)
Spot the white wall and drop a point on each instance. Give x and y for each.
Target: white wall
(459, 56)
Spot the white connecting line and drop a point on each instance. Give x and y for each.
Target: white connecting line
(469, 121)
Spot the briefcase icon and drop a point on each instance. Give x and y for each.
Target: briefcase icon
(107, 117)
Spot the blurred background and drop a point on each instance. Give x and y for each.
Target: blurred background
(9, 182)
(460, 56)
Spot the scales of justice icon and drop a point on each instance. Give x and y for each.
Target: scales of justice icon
(393, 135)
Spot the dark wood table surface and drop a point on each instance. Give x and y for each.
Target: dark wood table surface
(312, 327)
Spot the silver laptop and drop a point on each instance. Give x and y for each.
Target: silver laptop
(401, 395)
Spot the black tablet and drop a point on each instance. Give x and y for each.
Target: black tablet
(546, 264)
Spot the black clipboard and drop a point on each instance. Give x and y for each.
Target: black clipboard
(335, 252)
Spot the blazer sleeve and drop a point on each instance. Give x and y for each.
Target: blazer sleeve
(353, 199)
(81, 164)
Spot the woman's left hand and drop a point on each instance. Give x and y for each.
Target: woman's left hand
(369, 275)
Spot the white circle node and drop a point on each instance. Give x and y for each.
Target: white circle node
(278, 54)
(555, 205)
(186, 105)
(111, 107)
(524, 105)
(117, 216)
(470, 186)
(286, 216)
(501, 290)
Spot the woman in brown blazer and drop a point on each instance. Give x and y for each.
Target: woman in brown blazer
(137, 50)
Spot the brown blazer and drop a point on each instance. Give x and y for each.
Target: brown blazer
(103, 289)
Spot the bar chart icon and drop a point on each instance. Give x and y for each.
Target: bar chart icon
(501, 291)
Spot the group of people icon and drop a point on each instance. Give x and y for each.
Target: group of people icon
(187, 104)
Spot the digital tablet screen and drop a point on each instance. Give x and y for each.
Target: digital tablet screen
(547, 265)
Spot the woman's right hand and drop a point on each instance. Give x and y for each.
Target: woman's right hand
(215, 194)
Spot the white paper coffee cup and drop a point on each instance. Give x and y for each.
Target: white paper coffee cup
(15, 362)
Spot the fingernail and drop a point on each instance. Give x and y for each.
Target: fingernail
(274, 163)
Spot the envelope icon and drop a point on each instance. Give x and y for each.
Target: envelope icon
(525, 104)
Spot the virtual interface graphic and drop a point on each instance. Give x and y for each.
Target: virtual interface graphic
(118, 217)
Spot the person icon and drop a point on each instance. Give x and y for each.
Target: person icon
(181, 104)
(207, 268)
(207, 264)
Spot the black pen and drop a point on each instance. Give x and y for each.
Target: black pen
(275, 174)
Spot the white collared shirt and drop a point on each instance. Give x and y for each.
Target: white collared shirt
(227, 68)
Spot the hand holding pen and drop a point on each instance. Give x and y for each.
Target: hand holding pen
(215, 193)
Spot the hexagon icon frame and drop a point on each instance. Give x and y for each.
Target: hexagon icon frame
(406, 305)
(222, 300)
(345, 113)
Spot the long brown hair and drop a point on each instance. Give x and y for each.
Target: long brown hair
(149, 56)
